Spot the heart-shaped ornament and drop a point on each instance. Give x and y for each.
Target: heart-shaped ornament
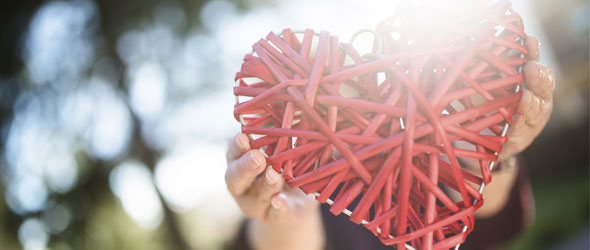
(402, 139)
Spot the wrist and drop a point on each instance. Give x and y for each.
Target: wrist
(506, 165)
(496, 194)
(304, 232)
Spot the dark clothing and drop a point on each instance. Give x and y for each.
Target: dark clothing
(490, 233)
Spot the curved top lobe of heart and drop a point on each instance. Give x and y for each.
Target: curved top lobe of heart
(385, 137)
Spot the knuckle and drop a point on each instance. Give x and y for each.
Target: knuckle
(550, 86)
(263, 195)
(545, 72)
(231, 149)
(263, 198)
(228, 155)
(229, 183)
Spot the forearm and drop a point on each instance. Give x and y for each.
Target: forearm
(306, 232)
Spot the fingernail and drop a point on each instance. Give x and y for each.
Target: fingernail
(275, 202)
(271, 176)
(243, 141)
(542, 73)
(256, 159)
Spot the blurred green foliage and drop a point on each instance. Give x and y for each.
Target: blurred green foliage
(561, 211)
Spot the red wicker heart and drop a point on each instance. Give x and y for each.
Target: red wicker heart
(378, 136)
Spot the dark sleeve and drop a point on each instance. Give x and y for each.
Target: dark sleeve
(240, 242)
(510, 222)
(342, 234)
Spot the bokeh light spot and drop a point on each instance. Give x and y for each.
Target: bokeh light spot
(132, 183)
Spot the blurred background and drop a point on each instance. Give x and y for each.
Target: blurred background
(114, 117)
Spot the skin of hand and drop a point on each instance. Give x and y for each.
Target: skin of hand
(536, 104)
(533, 113)
(281, 216)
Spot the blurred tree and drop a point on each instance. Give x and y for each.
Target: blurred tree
(91, 198)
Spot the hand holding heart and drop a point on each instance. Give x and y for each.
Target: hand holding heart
(261, 194)
(394, 141)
